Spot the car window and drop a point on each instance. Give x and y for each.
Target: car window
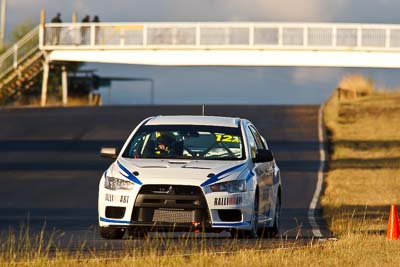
(259, 142)
(186, 142)
(252, 142)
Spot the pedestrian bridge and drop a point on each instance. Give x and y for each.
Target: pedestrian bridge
(225, 44)
(196, 44)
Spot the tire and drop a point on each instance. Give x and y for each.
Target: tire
(137, 233)
(111, 233)
(273, 232)
(253, 232)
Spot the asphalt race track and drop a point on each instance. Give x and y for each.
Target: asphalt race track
(50, 164)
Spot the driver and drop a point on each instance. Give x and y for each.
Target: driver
(165, 143)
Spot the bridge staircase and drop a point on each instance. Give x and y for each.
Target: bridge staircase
(19, 66)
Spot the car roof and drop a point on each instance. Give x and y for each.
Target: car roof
(195, 120)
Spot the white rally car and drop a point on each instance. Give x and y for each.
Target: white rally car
(191, 173)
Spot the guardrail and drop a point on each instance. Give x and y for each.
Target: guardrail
(20, 51)
(230, 35)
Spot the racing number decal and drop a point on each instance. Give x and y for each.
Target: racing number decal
(227, 138)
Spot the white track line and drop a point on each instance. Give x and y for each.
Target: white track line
(313, 205)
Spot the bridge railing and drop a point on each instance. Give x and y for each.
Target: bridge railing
(229, 35)
(20, 51)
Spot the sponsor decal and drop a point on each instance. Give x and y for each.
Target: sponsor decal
(124, 199)
(225, 201)
(110, 197)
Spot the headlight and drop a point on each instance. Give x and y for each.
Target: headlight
(115, 183)
(231, 186)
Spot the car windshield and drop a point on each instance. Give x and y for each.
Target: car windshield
(186, 142)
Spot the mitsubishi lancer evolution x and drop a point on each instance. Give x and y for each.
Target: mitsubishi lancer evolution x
(191, 173)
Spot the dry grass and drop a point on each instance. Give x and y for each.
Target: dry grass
(363, 180)
(371, 118)
(364, 176)
(52, 101)
(352, 250)
(357, 83)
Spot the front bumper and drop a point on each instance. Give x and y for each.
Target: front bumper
(183, 208)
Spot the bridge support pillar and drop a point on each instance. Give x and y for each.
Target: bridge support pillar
(44, 83)
(64, 81)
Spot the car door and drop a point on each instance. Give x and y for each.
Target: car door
(265, 173)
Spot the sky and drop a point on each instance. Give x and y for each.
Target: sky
(219, 85)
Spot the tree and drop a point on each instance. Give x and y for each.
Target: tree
(21, 29)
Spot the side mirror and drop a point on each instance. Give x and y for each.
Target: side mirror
(263, 155)
(109, 152)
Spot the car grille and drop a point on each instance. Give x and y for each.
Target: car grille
(170, 215)
(170, 204)
(171, 189)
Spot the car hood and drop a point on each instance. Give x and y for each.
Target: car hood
(187, 172)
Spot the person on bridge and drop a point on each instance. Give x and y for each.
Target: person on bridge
(86, 19)
(85, 30)
(97, 28)
(55, 31)
(56, 19)
(96, 19)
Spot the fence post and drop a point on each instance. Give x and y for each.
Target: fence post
(359, 37)
(144, 35)
(334, 36)
(305, 35)
(122, 37)
(387, 38)
(251, 34)
(198, 42)
(280, 35)
(92, 35)
(64, 80)
(15, 59)
(44, 82)
(41, 36)
(42, 28)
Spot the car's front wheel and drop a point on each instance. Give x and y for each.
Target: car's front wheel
(253, 232)
(137, 232)
(111, 233)
(272, 232)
